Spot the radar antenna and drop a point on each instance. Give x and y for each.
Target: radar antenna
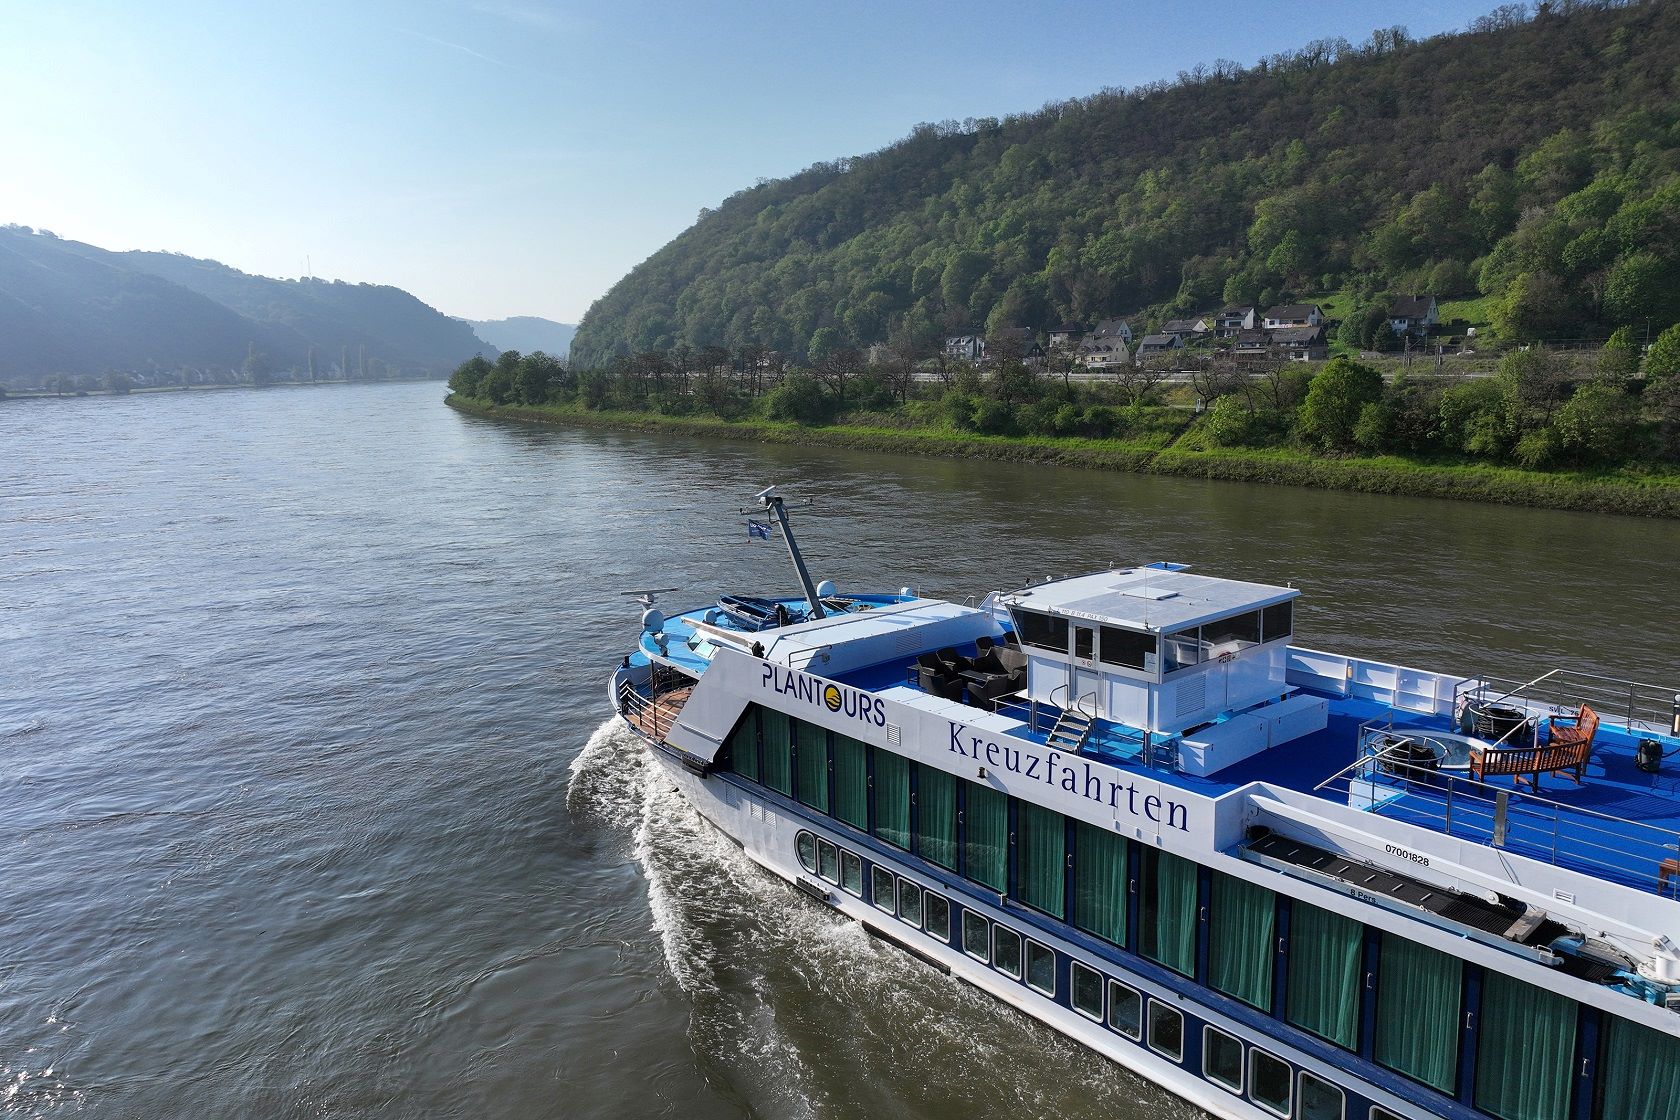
(776, 507)
(647, 596)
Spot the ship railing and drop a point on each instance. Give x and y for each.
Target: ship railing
(1388, 781)
(1641, 707)
(649, 711)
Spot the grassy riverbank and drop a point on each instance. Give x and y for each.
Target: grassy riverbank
(1609, 491)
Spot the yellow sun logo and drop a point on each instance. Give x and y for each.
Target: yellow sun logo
(831, 697)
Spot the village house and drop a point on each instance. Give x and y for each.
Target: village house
(965, 348)
(1067, 335)
(1300, 344)
(1108, 344)
(1414, 315)
(1154, 345)
(1112, 328)
(1186, 329)
(1228, 322)
(1293, 315)
(1250, 345)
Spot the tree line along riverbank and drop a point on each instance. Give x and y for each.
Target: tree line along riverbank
(1600, 433)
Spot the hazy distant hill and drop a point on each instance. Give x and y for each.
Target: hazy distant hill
(66, 307)
(526, 333)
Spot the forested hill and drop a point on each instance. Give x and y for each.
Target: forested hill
(525, 333)
(70, 308)
(1531, 159)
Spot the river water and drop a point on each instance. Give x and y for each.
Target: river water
(307, 807)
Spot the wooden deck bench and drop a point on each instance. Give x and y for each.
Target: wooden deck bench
(1568, 748)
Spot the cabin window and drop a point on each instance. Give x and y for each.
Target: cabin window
(1041, 967)
(1324, 980)
(977, 936)
(1127, 648)
(936, 912)
(1006, 951)
(1166, 1030)
(1222, 1059)
(851, 782)
(1167, 917)
(743, 746)
(1125, 1010)
(910, 903)
(1041, 881)
(806, 845)
(811, 755)
(1183, 649)
(1087, 984)
(1320, 1100)
(1525, 1055)
(1083, 639)
(881, 888)
(851, 873)
(1384, 1114)
(1640, 1072)
(1278, 621)
(1099, 882)
(1269, 1082)
(1243, 934)
(1241, 628)
(936, 816)
(778, 750)
(828, 861)
(986, 846)
(892, 798)
(1418, 1006)
(1041, 630)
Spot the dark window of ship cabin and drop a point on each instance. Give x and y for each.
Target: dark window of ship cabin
(986, 843)
(1278, 621)
(1041, 630)
(1183, 649)
(1525, 1055)
(1087, 985)
(1125, 1010)
(1166, 1031)
(881, 888)
(1167, 886)
(828, 861)
(892, 798)
(851, 873)
(1041, 968)
(851, 782)
(1640, 1072)
(936, 816)
(777, 733)
(1418, 1006)
(1269, 1082)
(806, 845)
(1041, 837)
(811, 759)
(1099, 882)
(1242, 932)
(910, 903)
(936, 915)
(977, 936)
(743, 746)
(1222, 1059)
(1006, 951)
(1325, 952)
(1320, 1100)
(1126, 647)
(1083, 639)
(1383, 1114)
(1244, 628)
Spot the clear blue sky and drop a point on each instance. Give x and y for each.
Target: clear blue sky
(505, 157)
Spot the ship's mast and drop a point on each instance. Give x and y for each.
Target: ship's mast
(775, 507)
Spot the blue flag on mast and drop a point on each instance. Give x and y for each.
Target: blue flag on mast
(757, 530)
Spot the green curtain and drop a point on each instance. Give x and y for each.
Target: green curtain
(851, 781)
(1099, 882)
(936, 816)
(1641, 1073)
(986, 815)
(1418, 1006)
(1242, 940)
(1324, 984)
(1525, 1052)
(778, 750)
(892, 798)
(743, 745)
(1042, 875)
(812, 756)
(1168, 922)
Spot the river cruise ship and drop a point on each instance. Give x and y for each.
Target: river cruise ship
(1279, 882)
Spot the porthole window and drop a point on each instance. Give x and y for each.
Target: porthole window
(1087, 986)
(828, 861)
(1166, 1030)
(1041, 968)
(909, 902)
(806, 845)
(1125, 1010)
(977, 936)
(1269, 1082)
(1320, 1100)
(881, 888)
(851, 873)
(936, 915)
(1222, 1059)
(1006, 951)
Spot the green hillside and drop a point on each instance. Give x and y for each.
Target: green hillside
(1529, 164)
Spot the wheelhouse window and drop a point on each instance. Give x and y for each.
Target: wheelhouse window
(806, 845)
(881, 888)
(1125, 1010)
(1222, 1059)
(1127, 648)
(851, 873)
(976, 935)
(1183, 650)
(1166, 1030)
(1269, 1082)
(1087, 984)
(1041, 630)
(1006, 951)
(936, 914)
(1278, 621)
(1041, 967)
(1244, 629)
(1320, 1100)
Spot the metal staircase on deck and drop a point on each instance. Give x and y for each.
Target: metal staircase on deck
(1072, 728)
